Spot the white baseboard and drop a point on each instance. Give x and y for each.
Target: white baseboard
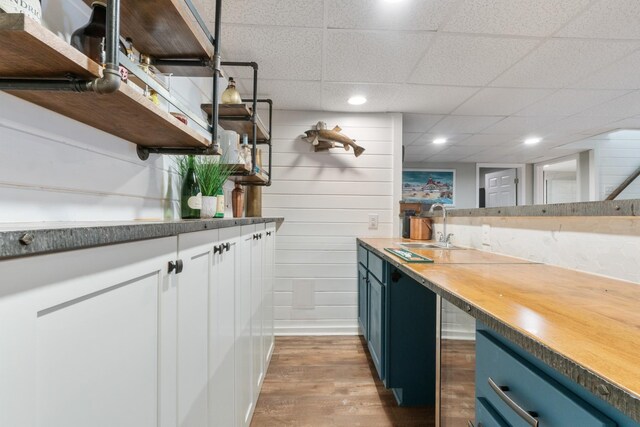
(316, 330)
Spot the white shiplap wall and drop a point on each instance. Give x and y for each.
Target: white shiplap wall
(326, 199)
(615, 161)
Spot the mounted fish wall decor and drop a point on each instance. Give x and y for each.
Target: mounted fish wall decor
(322, 139)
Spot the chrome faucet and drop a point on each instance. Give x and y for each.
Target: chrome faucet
(443, 238)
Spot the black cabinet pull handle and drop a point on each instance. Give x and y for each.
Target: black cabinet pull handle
(529, 417)
(176, 266)
(227, 247)
(268, 233)
(217, 249)
(395, 276)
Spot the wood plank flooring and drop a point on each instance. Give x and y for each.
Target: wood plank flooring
(329, 381)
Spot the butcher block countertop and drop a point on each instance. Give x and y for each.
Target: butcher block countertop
(585, 326)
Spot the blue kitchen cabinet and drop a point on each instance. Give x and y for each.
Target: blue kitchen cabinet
(363, 301)
(506, 372)
(410, 354)
(376, 323)
(487, 416)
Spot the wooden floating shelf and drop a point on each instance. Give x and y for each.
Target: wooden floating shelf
(239, 126)
(165, 29)
(239, 171)
(30, 50)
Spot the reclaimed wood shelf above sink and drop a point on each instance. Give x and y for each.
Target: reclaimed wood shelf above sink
(30, 50)
(165, 29)
(237, 117)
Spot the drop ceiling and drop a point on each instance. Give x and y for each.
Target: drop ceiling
(485, 74)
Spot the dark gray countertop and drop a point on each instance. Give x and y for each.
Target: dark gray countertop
(19, 240)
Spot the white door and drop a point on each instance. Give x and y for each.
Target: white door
(196, 252)
(501, 188)
(226, 262)
(257, 309)
(268, 281)
(243, 345)
(83, 340)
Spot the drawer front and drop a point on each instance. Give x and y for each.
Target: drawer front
(487, 416)
(362, 256)
(376, 324)
(527, 388)
(376, 267)
(363, 291)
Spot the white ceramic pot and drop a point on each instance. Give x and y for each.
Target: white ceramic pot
(30, 8)
(209, 204)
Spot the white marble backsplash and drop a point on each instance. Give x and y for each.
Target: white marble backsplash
(608, 246)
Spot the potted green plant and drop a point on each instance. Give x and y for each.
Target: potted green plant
(212, 172)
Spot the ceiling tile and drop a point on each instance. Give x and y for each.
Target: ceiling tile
(523, 126)
(469, 60)
(561, 62)
(490, 140)
(425, 15)
(619, 19)
(298, 13)
(513, 17)
(408, 138)
(567, 102)
(619, 75)
(281, 52)
(288, 94)
(455, 154)
(622, 107)
(335, 96)
(501, 102)
(382, 57)
(577, 124)
(464, 124)
(430, 99)
(419, 123)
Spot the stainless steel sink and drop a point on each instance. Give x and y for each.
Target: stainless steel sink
(428, 246)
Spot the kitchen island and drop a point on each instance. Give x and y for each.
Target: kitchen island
(583, 327)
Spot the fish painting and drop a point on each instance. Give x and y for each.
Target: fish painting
(323, 139)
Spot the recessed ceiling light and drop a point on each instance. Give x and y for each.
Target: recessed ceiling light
(393, 1)
(532, 141)
(440, 141)
(357, 100)
(546, 166)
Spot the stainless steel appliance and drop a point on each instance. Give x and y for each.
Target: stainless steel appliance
(455, 403)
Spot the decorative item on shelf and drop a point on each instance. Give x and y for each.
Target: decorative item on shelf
(229, 146)
(258, 159)
(90, 39)
(421, 228)
(238, 201)
(245, 152)
(254, 201)
(181, 117)
(212, 172)
(231, 94)
(323, 139)
(191, 195)
(31, 8)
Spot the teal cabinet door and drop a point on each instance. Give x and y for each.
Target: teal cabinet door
(487, 416)
(376, 323)
(363, 304)
(522, 394)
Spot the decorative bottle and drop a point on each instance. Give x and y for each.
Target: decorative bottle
(231, 94)
(90, 39)
(237, 196)
(31, 8)
(191, 197)
(220, 204)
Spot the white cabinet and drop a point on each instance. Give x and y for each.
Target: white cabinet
(82, 339)
(109, 337)
(195, 285)
(226, 264)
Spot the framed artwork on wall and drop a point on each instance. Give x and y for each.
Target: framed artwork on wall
(429, 186)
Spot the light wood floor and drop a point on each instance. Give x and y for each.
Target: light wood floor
(329, 381)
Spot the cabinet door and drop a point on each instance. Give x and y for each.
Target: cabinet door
(86, 337)
(243, 345)
(376, 323)
(196, 252)
(268, 277)
(362, 300)
(257, 252)
(222, 330)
